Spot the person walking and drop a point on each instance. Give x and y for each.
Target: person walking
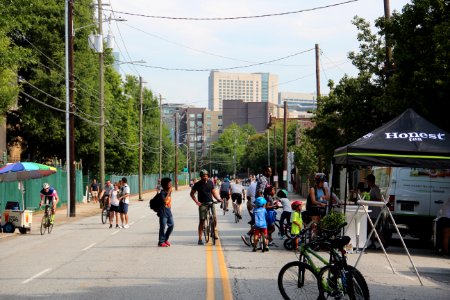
(262, 181)
(124, 201)
(165, 213)
(114, 205)
(94, 190)
(205, 192)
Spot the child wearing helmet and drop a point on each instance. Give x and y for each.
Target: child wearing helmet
(260, 226)
(286, 214)
(296, 221)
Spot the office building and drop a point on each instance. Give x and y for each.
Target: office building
(256, 114)
(248, 87)
(299, 104)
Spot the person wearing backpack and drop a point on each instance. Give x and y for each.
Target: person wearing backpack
(165, 212)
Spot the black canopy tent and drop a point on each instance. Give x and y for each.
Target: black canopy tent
(408, 140)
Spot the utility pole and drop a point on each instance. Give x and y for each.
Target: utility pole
(101, 97)
(285, 155)
(275, 161)
(387, 16)
(188, 147)
(175, 172)
(160, 137)
(141, 100)
(70, 104)
(268, 147)
(195, 146)
(234, 171)
(317, 73)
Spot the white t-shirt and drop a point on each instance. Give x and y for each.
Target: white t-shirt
(114, 200)
(236, 188)
(286, 204)
(445, 210)
(251, 191)
(126, 191)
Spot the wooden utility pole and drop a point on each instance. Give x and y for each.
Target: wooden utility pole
(175, 172)
(317, 73)
(285, 155)
(101, 97)
(141, 100)
(160, 136)
(387, 16)
(71, 162)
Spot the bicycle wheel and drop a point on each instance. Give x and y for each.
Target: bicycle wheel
(344, 284)
(297, 280)
(262, 241)
(224, 206)
(289, 244)
(43, 224)
(212, 230)
(357, 286)
(105, 214)
(49, 225)
(236, 217)
(206, 229)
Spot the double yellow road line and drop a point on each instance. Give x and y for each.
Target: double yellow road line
(210, 274)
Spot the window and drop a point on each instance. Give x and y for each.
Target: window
(191, 116)
(219, 131)
(192, 124)
(219, 117)
(199, 116)
(208, 117)
(208, 124)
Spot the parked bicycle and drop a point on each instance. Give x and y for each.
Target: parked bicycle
(46, 222)
(336, 279)
(209, 225)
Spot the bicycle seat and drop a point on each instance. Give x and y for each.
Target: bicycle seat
(340, 242)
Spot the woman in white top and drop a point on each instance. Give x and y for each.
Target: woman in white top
(114, 205)
(286, 214)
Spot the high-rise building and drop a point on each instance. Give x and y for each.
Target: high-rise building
(299, 104)
(248, 87)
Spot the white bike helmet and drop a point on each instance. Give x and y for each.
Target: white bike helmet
(45, 185)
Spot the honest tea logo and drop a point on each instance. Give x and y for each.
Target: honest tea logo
(415, 136)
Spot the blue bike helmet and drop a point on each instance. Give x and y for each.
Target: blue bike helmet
(260, 201)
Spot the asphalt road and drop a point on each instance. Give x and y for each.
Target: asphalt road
(84, 259)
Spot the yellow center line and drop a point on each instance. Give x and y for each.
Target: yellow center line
(210, 294)
(227, 294)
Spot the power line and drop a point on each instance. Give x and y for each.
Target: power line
(229, 68)
(231, 18)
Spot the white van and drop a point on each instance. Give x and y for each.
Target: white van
(416, 195)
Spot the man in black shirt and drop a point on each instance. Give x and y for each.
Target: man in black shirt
(205, 192)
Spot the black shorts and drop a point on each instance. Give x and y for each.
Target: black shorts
(224, 195)
(236, 197)
(317, 211)
(114, 208)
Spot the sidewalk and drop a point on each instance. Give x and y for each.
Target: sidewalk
(82, 210)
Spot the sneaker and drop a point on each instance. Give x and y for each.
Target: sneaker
(162, 245)
(271, 244)
(121, 226)
(110, 225)
(266, 249)
(126, 226)
(167, 243)
(117, 225)
(245, 240)
(200, 242)
(254, 249)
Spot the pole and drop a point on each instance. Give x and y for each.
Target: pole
(68, 31)
(101, 97)
(71, 116)
(387, 16)
(175, 172)
(275, 162)
(234, 157)
(195, 148)
(317, 72)
(268, 147)
(160, 136)
(285, 155)
(188, 153)
(141, 100)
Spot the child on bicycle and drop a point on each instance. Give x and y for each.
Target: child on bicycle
(260, 227)
(296, 221)
(286, 214)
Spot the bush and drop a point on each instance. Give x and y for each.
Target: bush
(332, 220)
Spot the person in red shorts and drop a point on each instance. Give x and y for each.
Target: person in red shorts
(260, 226)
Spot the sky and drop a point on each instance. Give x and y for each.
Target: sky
(179, 54)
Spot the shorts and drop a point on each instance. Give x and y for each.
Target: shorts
(237, 197)
(203, 211)
(94, 193)
(224, 195)
(317, 211)
(259, 231)
(114, 208)
(123, 208)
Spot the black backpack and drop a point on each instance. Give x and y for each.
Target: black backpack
(156, 202)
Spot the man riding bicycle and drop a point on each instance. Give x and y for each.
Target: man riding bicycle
(237, 195)
(205, 192)
(50, 194)
(105, 195)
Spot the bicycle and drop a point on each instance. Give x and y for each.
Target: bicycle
(209, 225)
(105, 209)
(261, 242)
(336, 279)
(224, 205)
(46, 222)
